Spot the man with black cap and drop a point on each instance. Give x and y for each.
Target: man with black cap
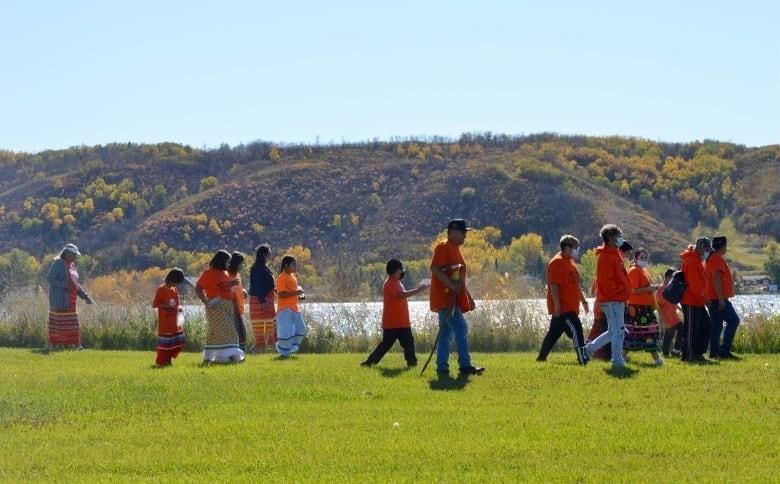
(696, 321)
(720, 287)
(450, 298)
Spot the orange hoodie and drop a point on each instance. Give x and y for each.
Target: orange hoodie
(692, 266)
(612, 284)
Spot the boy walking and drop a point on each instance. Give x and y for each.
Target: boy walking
(564, 296)
(395, 316)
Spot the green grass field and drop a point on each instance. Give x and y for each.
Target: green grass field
(109, 415)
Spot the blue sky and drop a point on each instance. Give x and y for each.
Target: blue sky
(206, 73)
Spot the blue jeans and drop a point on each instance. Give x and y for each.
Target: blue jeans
(615, 333)
(729, 315)
(450, 326)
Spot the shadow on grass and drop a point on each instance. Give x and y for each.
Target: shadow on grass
(621, 373)
(444, 382)
(392, 372)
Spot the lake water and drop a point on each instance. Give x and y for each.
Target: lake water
(350, 318)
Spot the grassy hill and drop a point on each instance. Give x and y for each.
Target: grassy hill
(366, 202)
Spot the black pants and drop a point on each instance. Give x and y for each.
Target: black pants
(238, 321)
(676, 333)
(389, 336)
(568, 323)
(696, 332)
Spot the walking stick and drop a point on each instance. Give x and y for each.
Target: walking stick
(451, 310)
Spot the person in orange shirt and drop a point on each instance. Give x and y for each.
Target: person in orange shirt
(395, 316)
(235, 266)
(170, 334)
(450, 298)
(720, 287)
(564, 296)
(290, 328)
(667, 311)
(612, 290)
(642, 329)
(215, 290)
(696, 321)
(599, 319)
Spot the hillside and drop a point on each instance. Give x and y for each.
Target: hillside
(366, 202)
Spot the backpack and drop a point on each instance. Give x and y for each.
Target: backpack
(673, 292)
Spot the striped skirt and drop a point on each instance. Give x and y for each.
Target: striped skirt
(169, 346)
(64, 328)
(641, 328)
(263, 320)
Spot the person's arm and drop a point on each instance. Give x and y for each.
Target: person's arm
(717, 284)
(555, 294)
(200, 293)
(442, 276)
(411, 292)
(584, 301)
(56, 275)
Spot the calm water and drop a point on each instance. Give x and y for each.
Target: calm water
(356, 317)
(345, 318)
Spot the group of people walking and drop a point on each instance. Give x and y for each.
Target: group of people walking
(626, 302)
(624, 311)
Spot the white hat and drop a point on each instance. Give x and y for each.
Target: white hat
(72, 249)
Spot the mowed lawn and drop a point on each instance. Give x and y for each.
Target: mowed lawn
(109, 415)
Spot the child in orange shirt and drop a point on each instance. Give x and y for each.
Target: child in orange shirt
(395, 316)
(290, 328)
(170, 334)
(667, 312)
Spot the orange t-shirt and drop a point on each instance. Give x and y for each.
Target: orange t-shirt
(639, 277)
(692, 266)
(562, 271)
(447, 254)
(216, 283)
(285, 283)
(666, 310)
(395, 310)
(238, 293)
(166, 317)
(716, 266)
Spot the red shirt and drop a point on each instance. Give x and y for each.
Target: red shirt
(716, 266)
(166, 317)
(445, 255)
(395, 310)
(562, 271)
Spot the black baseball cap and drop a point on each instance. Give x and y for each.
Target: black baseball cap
(458, 224)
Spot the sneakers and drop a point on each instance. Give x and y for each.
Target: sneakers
(471, 370)
(729, 356)
(366, 364)
(658, 361)
(676, 353)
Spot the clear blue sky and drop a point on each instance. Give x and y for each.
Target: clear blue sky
(205, 73)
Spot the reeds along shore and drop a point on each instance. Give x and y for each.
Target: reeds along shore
(502, 326)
